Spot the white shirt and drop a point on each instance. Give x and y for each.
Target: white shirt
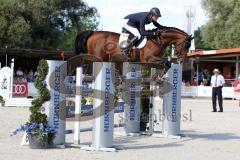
(217, 81)
(19, 73)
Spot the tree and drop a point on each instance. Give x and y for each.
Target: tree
(15, 30)
(74, 16)
(222, 29)
(45, 24)
(198, 39)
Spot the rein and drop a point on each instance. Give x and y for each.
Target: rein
(157, 41)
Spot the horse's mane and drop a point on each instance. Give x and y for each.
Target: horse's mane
(166, 28)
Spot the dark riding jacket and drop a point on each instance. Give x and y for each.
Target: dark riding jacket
(139, 20)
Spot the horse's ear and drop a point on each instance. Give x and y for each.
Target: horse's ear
(191, 37)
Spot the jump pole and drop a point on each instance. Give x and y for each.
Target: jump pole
(131, 96)
(55, 108)
(103, 107)
(153, 94)
(172, 104)
(78, 99)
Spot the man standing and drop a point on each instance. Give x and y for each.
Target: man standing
(217, 82)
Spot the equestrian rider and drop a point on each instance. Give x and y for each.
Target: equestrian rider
(136, 25)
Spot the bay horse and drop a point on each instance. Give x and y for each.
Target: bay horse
(104, 44)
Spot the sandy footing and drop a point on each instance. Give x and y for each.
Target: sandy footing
(207, 135)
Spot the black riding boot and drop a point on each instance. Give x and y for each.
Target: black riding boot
(132, 42)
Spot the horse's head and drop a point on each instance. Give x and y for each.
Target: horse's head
(182, 45)
(178, 38)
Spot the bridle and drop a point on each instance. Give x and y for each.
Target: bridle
(181, 45)
(158, 42)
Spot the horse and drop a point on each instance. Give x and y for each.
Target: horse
(105, 45)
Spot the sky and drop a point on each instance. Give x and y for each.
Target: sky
(173, 12)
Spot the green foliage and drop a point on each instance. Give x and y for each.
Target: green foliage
(84, 100)
(45, 24)
(37, 117)
(198, 38)
(222, 29)
(145, 71)
(44, 94)
(168, 52)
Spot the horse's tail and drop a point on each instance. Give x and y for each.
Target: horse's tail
(81, 42)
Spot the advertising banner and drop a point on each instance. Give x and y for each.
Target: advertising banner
(20, 89)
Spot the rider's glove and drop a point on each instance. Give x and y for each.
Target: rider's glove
(157, 33)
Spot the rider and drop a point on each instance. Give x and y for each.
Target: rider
(136, 25)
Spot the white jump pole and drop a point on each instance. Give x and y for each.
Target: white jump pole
(153, 92)
(172, 102)
(103, 107)
(12, 78)
(55, 108)
(78, 99)
(131, 97)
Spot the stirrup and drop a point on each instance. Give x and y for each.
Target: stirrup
(125, 52)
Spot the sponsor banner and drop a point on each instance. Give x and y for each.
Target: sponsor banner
(172, 102)
(103, 114)
(189, 91)
(20, 89)
(206, 91)
(132, 97)
(55, 107)
(5, 82)
(87, 110)
(119, 108)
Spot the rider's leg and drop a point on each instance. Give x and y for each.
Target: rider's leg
(133, 41)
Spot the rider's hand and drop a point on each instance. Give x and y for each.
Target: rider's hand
(157, 33)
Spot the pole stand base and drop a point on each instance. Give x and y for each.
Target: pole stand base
(60, 146)
(90, 148)
(159, 135)
(127, 134)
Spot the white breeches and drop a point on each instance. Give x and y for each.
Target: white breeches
(133, 30)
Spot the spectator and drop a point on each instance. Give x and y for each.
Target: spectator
(187, 84)
(200, 77)
(228, 78)
(35, 74)
(19, 72)
(217, 82)
(236, 86)
(30, 76)
(207, 77)
(183, 83)
(194, 82)
(21, 79)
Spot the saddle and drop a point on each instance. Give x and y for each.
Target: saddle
(126, 38)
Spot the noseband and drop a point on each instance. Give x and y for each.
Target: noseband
(182, 46)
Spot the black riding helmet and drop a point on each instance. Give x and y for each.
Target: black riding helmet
(155, 12)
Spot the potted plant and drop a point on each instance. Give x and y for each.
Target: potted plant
(39, 133)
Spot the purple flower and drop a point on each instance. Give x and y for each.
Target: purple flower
(34, 127)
